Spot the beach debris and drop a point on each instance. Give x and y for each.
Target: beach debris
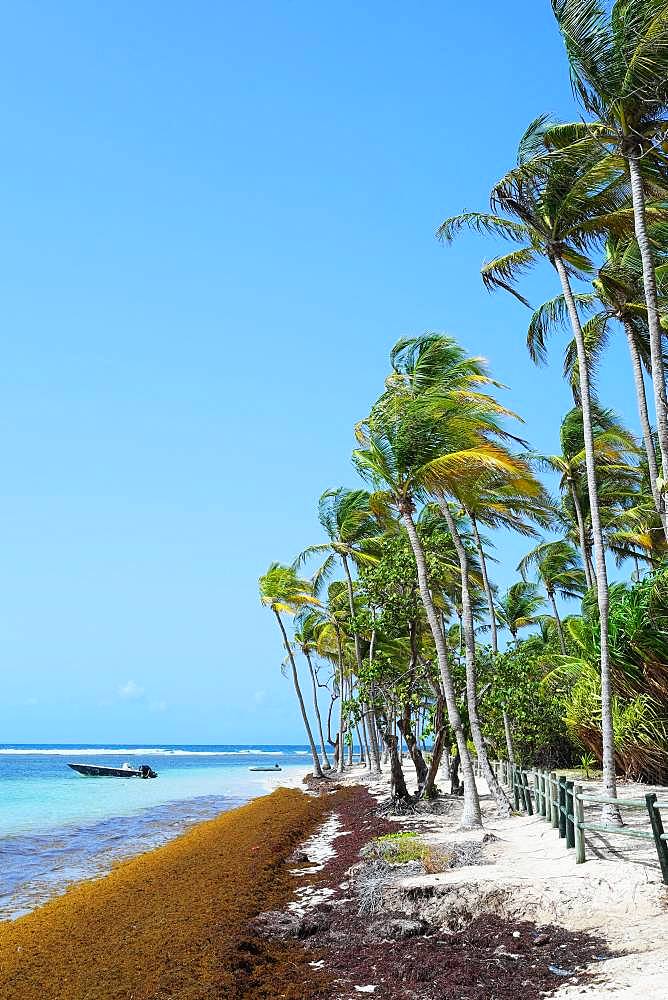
(396, 928)
(541, 939)
(277, 925)
(370, 879)
(557, 971)
(366, 989)
(516, 934)
(502, 953)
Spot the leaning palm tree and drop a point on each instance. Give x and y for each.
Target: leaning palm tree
(306, 629)
(519, 607)
(619, 71)
(283, 592)
(559, 569)
(558, 209)
(352, 537)
(396, 459)
(434, 373)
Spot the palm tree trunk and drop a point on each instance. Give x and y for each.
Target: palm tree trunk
(611, 813)
(413, 747)
(645, 425)
(589, 576)
(555, 612)
(323, 746)
(358, 645)
(651, 299)
(471, 816)
(298, 691)
(371, 718)
(502, 803)
(342, 717)
(486, 584)
(509, 738)
(429, 790)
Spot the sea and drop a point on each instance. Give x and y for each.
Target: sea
(57, 827)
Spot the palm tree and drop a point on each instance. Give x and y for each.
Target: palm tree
(393, 455)
(618, 295)
(519, 607)
(498, 504)
(435, 373)
(619, 70)
(283, 592)
(559, 569)
(306, 628)
(352, 533)
(559, 208)
(613, 445)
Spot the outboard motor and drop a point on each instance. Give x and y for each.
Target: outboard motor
(147, 772)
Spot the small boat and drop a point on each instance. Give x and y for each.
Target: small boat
(100, 771)
(274, 767)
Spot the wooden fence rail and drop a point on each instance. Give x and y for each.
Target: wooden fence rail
(560, 803)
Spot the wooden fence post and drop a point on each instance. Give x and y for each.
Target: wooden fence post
(561, 789)
(579, 825)
(527, 793)
(570, 814)
(516, 791)
(657, 829)
(555, 799)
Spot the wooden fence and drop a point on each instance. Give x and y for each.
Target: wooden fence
(560, 802)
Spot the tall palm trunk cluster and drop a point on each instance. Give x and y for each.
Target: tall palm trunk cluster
(408, 635)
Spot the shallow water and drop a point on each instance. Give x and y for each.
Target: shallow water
(57, 827)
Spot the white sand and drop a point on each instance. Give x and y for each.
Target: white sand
(529, 875)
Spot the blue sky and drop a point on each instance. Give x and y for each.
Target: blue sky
(217, 219)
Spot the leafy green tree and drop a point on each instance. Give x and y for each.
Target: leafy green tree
(516, 689)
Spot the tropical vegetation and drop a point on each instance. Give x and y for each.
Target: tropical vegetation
(397, 606)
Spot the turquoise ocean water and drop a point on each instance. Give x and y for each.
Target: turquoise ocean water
(57, 827)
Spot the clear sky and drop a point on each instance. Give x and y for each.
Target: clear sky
(217, 219)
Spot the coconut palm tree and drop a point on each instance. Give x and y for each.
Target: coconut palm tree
(619, 70)
(497, 504)
(306, 629)
(617, 296)
(559, 569)
(559, 208)
(519, 607)
(352, 533)
(434, 373)
(394, 456)
(283, 592)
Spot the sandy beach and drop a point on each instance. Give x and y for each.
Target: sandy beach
(296, 896)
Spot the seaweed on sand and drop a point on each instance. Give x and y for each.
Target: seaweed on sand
(172, 923)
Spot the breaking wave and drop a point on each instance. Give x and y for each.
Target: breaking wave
(96, 751)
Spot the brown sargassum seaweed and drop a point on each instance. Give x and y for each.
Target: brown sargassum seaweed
(173, 924)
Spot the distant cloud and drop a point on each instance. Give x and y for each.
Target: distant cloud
(131, 691)
(158, 706)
